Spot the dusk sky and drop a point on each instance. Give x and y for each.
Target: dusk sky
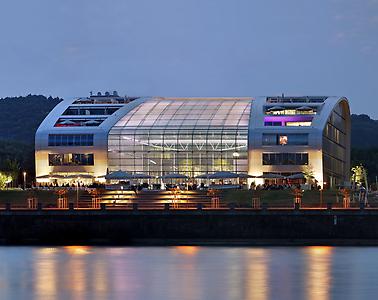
(191, 48)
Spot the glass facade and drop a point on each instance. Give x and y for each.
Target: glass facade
(334, 147)
(190, 137)
(70, 140)
(71, 159)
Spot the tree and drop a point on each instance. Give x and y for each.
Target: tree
(308, 172)
(368, 158)
(358, 174)
(4, 179)
(12, 167)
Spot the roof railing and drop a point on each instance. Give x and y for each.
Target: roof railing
(285, 99)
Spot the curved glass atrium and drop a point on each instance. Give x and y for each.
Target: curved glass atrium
(190, 137)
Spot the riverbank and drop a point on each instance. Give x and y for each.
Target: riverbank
(190, 227)
(239, 198)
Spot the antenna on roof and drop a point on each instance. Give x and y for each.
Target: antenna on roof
(283, 95)
(91, 93)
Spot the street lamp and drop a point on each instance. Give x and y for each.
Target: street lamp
(235, 156)
(24, 173)
(77, 192)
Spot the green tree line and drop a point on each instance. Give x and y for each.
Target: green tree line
(20, 119)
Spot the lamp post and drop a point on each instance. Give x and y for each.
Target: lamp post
(24, 173)
(236, 155)
(77, 192)
(321, 197)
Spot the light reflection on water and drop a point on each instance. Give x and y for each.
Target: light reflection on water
(257, 274)
(318, 272)
(188, 272)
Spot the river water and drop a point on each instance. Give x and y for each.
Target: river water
(186, 272)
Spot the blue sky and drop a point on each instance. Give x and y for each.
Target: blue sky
(191, 48)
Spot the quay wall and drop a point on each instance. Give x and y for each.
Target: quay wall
(109, 226)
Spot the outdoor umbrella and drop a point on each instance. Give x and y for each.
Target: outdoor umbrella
(203, 176)
(119, 175)
(141, 176)
(50, 177)
(222, 175)
(174, 176)
(79, 176)
(244, 175)
(271, 176)
(57, 176)
(304, 108)
(276, 108)
(296, 176)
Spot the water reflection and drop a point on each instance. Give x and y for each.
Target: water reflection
(79, 272)
(45, 270)
(77, 250)
(187, 273)
(318, 272)
(187, 250)
(258, 274)
(99, 278)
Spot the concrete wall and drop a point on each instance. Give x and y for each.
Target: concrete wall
(128, 226)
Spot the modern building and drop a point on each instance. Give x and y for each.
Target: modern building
(90, 137)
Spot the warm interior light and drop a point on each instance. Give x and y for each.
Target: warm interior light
(320, 249)
(187, 250)
(283, 139)
(77, 250)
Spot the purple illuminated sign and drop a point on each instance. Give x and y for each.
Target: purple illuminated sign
(284, 119)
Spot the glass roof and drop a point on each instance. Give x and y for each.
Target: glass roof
(188, 113)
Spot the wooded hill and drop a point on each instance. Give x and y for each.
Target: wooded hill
(364, 132)
(21, 116)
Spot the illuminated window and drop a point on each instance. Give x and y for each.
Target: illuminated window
(272, 139)
(274, 159)
(87, 110)
(283, 139)
(303, 120)
(290, 112)
(71, 159)
(298, 124)
(70, 140)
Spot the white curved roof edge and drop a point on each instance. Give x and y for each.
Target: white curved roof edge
(256, 112)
